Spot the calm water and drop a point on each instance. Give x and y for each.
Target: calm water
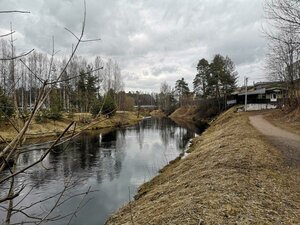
(112, 164)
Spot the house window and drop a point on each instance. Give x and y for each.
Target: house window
(273, 97)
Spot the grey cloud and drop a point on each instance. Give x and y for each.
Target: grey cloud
(157, 70)
(153, 36)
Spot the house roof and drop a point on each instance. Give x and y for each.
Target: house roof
(261, 88)
(254, 92)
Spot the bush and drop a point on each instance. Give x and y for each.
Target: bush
(54, 115)
(43, 115)
(40, 117)
(85, 119)
(96, 107)
(207, 109)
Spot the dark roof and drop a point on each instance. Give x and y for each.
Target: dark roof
(254, 92)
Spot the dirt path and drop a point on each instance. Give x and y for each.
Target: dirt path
(288, 143)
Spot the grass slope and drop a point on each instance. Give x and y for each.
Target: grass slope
(184, 112)
(231, 176)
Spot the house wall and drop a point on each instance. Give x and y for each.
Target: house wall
(254, 107)
(279, 95)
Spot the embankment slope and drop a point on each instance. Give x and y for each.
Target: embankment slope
(231, 176)
(185, 113)
(84, 121)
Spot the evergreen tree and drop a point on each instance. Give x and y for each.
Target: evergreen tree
(109, 105)
(222, 79)
(215, 80)
(182, 90)
(201, 79)
(87, 90)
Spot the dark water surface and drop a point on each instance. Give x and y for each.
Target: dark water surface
(114, 164)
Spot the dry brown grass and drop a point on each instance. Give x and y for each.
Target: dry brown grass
(158, 113)
(53, 128)
(289, 121)
(185, 112)
(231, 176)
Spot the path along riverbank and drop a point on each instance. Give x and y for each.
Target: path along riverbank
(233, 175)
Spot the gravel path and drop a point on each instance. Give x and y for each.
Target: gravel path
(288, 143)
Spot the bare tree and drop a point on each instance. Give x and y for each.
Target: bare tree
(11, 152)
(283, 14)
(282, 59)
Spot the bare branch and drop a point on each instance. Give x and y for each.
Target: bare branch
(4, 35)
(12, 196)
(78, 207)
(16, 57)
(74, 77)
(14, 11)
(12, 150)
(88, 40)
(30, 70)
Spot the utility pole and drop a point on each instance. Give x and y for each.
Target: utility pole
(246, 83)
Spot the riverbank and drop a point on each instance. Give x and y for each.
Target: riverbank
(84, 121)
(187, 113)
(231, 176)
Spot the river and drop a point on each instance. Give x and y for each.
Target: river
(110, 166)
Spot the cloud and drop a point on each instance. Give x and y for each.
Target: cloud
(155, 40)
(163, 69)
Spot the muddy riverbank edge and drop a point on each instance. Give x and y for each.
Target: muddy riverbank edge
(231, 176)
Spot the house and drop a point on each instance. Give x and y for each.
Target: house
(262, 95)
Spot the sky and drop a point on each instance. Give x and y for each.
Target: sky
(152, 40)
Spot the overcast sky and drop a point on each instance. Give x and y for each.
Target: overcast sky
(153, 40)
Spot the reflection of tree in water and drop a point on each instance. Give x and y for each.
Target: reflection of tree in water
(182, 138)
(167, 130)
(87, 155)
(112, 154)
(120, 153)
(186, 132)
(139, 129)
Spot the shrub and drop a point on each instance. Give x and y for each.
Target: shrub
(54, 115)
(96, 107)
(207, 109)
(43, 115)
(40, 117)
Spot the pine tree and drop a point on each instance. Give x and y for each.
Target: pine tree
(222, 79)
(201, 79)
(182, 90)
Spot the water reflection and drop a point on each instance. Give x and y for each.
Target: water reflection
(109, 162)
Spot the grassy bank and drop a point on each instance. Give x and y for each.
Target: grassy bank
(185, 113)
(231, 176)
(50, 128)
